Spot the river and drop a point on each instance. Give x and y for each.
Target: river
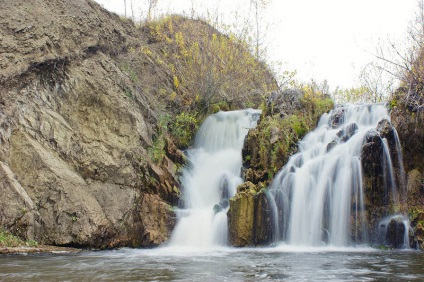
(282, 263)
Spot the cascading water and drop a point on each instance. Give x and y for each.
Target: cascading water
(212, 178)
(317, 198)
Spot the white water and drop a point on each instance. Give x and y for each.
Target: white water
(318, 195)
(212, 178)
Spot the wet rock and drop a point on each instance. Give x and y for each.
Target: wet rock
(379, 188)
(224, 203)
(343, 135)
(337, 117)
(395, 233)
(225, 195)
(347, 132)
(217, 208)
(249, 217)
(384, 127)
(374, 182)
(386, 130)
(42, 249)
(331, 145)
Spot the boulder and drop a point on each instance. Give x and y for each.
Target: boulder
(249, 217)
(396, 233)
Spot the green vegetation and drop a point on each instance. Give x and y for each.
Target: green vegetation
(187, 69)
(7, 239)
(207, 68)
(276, 137)
(183, 128)
(157, 150)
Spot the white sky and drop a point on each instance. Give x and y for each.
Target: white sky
(320, 39)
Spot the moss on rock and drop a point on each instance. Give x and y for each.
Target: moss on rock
(249, 217)
(288, 117)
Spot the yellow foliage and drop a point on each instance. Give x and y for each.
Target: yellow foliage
(210, 66)
(145, 50)
(176, 82)
(179, 39)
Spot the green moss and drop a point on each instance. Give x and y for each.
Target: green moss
(7, 239)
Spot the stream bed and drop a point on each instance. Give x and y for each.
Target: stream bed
(284, 263)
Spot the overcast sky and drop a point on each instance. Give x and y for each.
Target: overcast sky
(320, 39)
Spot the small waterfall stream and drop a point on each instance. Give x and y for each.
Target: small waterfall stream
(318, 197)
(212, 178)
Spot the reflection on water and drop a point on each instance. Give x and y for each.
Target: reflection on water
(224, 264)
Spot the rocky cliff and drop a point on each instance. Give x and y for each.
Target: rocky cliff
(89, 112)
(407, 113)
(74, 167)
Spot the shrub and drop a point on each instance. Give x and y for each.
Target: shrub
(184, 128)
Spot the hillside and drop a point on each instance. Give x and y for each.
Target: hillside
(91, 108)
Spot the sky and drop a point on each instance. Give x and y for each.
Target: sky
(321, 39)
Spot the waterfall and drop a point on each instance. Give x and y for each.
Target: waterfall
(318, 196)
(211, 179)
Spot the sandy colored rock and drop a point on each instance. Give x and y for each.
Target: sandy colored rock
(249, 217)
(74, 165)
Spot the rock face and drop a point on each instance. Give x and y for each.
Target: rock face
(383, 196)
(407, 116)
(74, 165)
(249, 217)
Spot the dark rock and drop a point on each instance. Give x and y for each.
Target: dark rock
(395, 233)
(337, 117)
(386, 130)
(347, 132)
(217, 208)
(372, 166)
(225, 194)
(331, 145)
(343, 134)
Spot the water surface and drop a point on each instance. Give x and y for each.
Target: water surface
(282, 263)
